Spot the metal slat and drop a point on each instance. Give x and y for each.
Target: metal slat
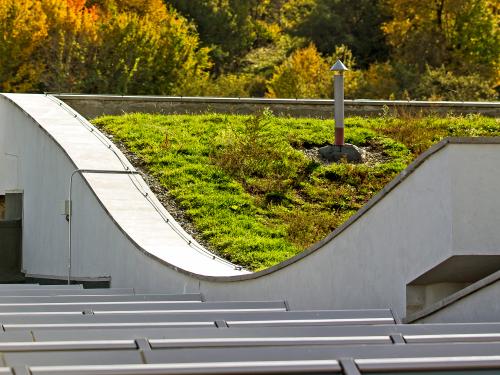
(267, 367)
(470, 337)
(61, 358)
(269, 341)
(144, 306)
(17, 286)
(15, 336)
(407, 357)
(448, 328)
(308, 322)
(320, 352)
(102, 298)
(67, 345)
(255, 318)
(210, 333)
(124, 333)
(254, 332)
(64, 292)
(39, 288)
(109, 325)
(430, 363)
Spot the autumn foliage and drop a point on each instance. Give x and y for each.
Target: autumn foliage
(134, 47)
(394, 49)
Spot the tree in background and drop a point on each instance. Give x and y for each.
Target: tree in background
(305, 74)
(226, 26)
(356, 24)
(123, 46)
(452, 45)
(71, 33)
(459, 34)
(401, 49)
(154, 52)
(23, 27)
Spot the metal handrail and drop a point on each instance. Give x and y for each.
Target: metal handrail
(70, 204)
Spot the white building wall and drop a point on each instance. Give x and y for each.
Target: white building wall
(422, 221)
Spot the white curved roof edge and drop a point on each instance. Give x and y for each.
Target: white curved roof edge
(142, 219)
(214, 99)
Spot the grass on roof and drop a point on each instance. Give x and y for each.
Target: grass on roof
(249, 184)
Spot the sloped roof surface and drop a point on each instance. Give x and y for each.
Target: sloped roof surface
(71, 330)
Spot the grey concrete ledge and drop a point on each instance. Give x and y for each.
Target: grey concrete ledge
(91, 106)
(207, 99)
(483, 283)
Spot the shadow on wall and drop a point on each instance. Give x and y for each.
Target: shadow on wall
(2, 207)
(10, 240)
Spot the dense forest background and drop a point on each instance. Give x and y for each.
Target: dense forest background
(395, 49)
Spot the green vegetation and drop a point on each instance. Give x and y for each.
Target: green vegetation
(251, 185)
(401, 49)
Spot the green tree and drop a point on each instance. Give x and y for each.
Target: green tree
(224, 25)
(462, 35)
(356, 24)
(439, 84)
(157, 53)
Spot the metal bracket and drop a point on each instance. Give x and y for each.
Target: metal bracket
(349, 367)
(397, 338)
(143, 344)
(221, 324)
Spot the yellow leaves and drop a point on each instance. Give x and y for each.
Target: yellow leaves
(155, 9)
(378, 81)
(458, 33)
(18, 16)
(135, 46)
(294, 11)
(305, 74)
(144, 56)
(22, 30)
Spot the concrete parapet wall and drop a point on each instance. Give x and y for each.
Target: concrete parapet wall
(91, 106)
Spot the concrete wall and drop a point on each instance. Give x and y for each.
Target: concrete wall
(420, 219)
(91, 106)
(482, 306)
(479, 302)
